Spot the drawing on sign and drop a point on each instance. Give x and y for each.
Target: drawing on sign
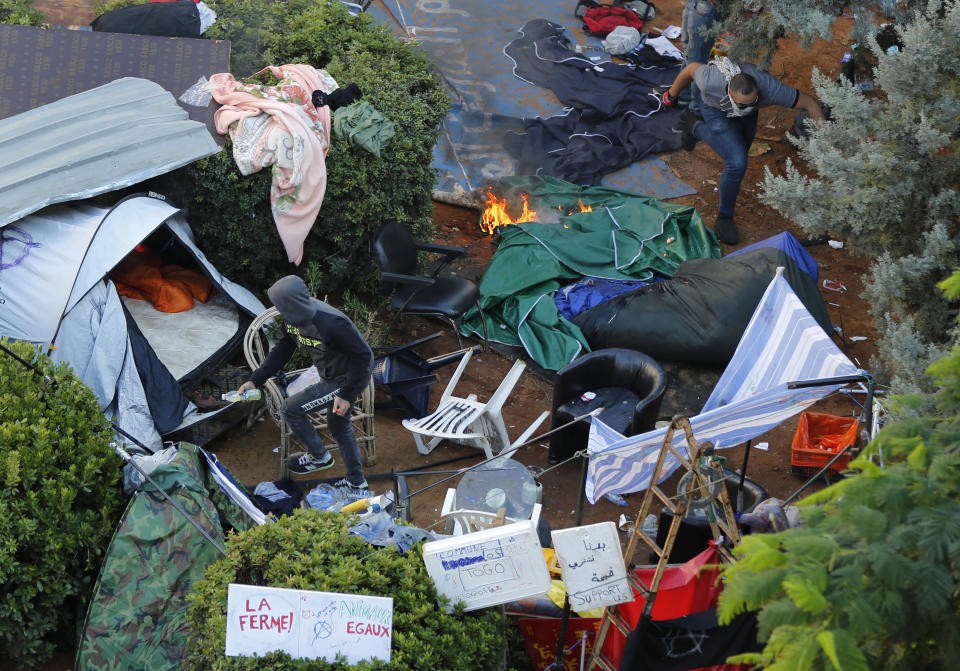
(592, 566)
(488, 567)
(260, 620)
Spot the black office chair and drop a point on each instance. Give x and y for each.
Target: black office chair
(448, 297)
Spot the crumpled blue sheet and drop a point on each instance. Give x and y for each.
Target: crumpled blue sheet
(381, 530)
(592, 291)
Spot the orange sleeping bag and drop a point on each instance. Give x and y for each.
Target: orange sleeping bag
(141, 275)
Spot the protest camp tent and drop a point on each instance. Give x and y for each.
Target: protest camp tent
(55, 258)
(137, 614)
(783, 343)
(136, 359)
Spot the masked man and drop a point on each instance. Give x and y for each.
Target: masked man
(344, 361)
(730, 95)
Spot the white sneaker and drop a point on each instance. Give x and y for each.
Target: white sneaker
(360, 491)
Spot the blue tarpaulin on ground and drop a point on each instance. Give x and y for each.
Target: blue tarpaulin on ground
(465, 39)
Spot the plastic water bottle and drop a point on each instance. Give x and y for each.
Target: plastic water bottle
(248, 395)
(616, 500)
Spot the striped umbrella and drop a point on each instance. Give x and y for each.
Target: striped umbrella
(782, 343)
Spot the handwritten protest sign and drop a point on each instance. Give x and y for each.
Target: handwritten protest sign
(592, 566)
(489, 567)
(307, 624)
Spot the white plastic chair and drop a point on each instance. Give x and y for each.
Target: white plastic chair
(466, 421)
(459, 522)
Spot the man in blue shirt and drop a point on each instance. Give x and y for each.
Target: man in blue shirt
(730, 95)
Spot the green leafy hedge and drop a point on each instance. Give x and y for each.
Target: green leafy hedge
(60, 500)
(312, 550)
(230, 214)
(20, 12)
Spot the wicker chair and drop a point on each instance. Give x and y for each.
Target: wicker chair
(256, 344)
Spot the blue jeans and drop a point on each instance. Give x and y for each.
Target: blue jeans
(295, 410)
(731, 138)
(696, 14)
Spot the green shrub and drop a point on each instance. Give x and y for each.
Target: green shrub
(20, 12)
(230, 214)
(60, 500)
(312, 550)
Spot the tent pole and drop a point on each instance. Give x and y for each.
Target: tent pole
(817, 474)
(743, 475)
(565, 618)
(123, 454)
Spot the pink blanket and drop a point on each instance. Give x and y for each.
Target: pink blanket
(278, 126)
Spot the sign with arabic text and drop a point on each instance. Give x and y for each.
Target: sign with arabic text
(307, 624)
(592, 565)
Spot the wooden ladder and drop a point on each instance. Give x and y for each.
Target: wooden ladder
(692, 485)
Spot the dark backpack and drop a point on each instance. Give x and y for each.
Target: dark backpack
(599, 20)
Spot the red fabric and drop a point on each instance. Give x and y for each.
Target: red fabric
(690, 588)
(602, 20)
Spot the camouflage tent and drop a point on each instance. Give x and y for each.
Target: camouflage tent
(137, 616)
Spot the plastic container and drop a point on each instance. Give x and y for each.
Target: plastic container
(616, 500)
(818, 438)
(235, 396)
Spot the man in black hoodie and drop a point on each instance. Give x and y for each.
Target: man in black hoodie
(344, 361)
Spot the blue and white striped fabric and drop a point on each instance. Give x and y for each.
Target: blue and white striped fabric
(782, 343)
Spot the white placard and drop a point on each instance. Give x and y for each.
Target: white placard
(592, 566)
(307, 624)
(489, 567)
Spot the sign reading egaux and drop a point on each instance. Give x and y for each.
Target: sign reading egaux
(592, 565)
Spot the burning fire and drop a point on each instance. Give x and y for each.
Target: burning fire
(495, 213)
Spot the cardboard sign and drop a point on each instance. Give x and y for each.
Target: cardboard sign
(592, 566)
(307, 624)
(488, 567)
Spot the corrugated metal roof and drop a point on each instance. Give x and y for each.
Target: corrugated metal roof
(103, 139)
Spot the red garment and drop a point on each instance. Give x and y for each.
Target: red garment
(602, 20)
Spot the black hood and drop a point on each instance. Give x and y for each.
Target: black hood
(291, 296)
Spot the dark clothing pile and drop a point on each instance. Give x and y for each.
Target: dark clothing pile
(613, 118)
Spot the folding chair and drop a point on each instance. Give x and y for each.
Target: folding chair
(407, 376)
(256, 344)
(466, 421)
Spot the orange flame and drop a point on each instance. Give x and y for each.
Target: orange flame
(584, 208)
(495, 214)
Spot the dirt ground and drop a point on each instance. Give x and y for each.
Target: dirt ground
(249, 454)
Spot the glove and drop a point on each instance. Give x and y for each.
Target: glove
(667, 99)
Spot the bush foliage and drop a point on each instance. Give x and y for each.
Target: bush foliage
(752, 29)
(230, 214)
(20, 12)
(312, 550)
(872, 579)
(60, 500)
(886, 169)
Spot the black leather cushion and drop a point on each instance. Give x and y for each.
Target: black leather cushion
(450, 296)
(618, 404)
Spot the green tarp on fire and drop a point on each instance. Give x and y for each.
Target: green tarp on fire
(137, 617)
(625, 237)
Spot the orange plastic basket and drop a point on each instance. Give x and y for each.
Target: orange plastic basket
(818, 439)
